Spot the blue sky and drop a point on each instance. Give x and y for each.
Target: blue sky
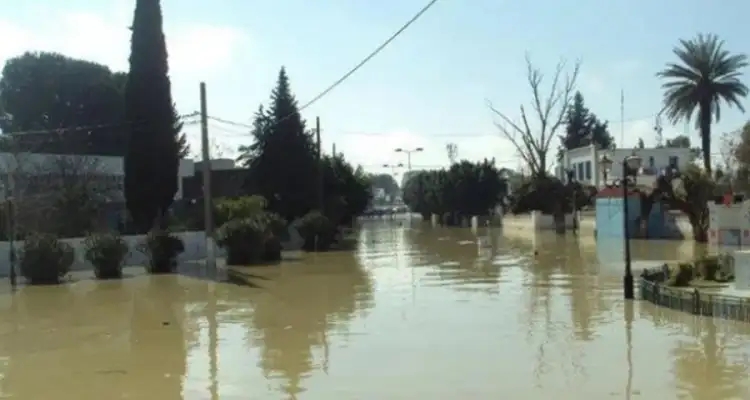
(427, 89)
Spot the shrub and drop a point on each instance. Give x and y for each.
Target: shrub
(45, 259)
(162, 250)
(106, 252)
(252, 240)
(239, 208)
(318, 231)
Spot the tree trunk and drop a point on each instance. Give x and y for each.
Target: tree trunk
(705, 127)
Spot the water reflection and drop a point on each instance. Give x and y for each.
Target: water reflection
(711, 359)
(415, 312)
(298, 311)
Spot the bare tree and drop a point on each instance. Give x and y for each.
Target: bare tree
(68, 195)
(532, 142)
(728, 143)
(452, 150)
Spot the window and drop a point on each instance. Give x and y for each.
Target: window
(588, 170)
(673, 161)
(580, 171)
(651, 162)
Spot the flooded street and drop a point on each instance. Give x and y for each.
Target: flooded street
(415, 313)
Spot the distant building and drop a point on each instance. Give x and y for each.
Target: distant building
(584, 162)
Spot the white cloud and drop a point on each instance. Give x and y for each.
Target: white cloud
(196, 50)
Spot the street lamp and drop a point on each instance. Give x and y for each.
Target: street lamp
(630, 166)
(393, 167)
(408, 154)
(571, 179)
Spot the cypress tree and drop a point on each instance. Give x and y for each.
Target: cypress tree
(282, 160)
(152, 159)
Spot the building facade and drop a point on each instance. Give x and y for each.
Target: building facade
(32, 172)
(584, 162)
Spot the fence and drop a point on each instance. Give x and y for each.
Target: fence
(696, 302)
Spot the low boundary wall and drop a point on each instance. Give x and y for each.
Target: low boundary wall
(696, 302)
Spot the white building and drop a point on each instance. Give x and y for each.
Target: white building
(35, 168)
(584, 162)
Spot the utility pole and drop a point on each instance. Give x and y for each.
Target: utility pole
(207, 203)
(321, 170)
(333, 153)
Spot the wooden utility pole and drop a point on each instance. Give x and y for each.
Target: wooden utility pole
(207, 203)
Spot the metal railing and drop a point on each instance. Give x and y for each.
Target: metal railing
(696, 302)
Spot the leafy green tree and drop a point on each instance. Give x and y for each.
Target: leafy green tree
(153, 154)
(46, 91)
(346, 190)
(582, 128)
(465, 189)
(706, 75)
(282, 161)
(387, 183)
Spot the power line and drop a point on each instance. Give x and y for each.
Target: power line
(93, 127)
(347, 75)
(369, 57)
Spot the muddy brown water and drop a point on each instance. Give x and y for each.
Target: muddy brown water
(414, 313)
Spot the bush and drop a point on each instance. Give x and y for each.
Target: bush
(252, 240)
(162, 250)
(318, 231)
(45, 259)
(106, 252)
(240, 208)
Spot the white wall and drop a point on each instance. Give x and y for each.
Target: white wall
(195, 249)
(544, 222)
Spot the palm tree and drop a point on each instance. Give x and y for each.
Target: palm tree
(705, 75)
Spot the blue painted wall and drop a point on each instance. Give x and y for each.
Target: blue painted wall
(609, 218)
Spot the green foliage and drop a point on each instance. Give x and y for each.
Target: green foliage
(387, 183)
(66, 92)
(284, 167)
(709, 268)
(44, 91)
(152, 160)
(283, 160)
(106, 252)
(239, 208)
(689, 191)
(706, 75)
(318, 231)
(582, 128)
(346, 189)
(465, 188)
(551, 195)
(45, 259)
(250, 234)
(162, 250)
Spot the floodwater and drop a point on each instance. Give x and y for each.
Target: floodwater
(415, 313)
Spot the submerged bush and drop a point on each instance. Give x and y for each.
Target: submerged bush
(106, 252)
(318, 231)
(45, 259)
(252, 240)
(162, 250)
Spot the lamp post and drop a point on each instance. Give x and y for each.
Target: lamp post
(408, 155)
(571, 179)
(630, 166)
(393, 167)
